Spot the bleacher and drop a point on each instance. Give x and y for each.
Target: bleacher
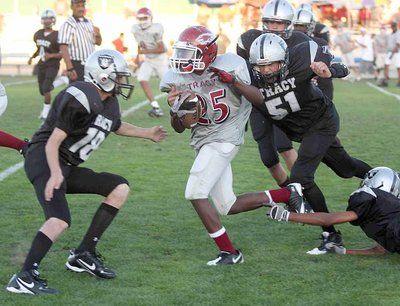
(15, 64)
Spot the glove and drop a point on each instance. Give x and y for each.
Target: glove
(278, 213)
(222, 75)
(334, 248)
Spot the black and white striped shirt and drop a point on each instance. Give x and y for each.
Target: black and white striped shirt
(78, 34)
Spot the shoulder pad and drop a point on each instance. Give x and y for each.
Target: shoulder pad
(228, 62)
(170, 78)
(364, 189)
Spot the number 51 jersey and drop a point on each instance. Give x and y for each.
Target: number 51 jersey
(224, 112)
(84, 117)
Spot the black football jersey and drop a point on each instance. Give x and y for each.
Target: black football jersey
(79, 112)
(46, 43)
(246, 39)
(378, 216)
(295, 104)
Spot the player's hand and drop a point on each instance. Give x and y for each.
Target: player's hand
(321, 69)
(47, 56)
(157, 133)
(54, 182)
(334, 248)
(223, 76)
(172, 95)
(30, 61)
(278, 213)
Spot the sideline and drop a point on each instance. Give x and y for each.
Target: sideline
(384, 91)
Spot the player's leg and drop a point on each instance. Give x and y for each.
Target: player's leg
(312, 149)
(10, 141)
(41, 77)
(144, 75)
(58, 219)
(342, 163)
(263, 134)
(47, 87)
(285, 147)
(115, 189)
(210, 163)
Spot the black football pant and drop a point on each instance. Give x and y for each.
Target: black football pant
(270, 138)
(46, 76)
(314, 148)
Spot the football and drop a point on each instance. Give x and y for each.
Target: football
(189, 110)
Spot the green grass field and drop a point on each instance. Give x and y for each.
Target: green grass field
(158, 245)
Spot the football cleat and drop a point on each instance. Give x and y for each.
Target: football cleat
(226, 258)
(155, 112)
(331, 243)
(297, 203)
(88, 262)
(29, 282)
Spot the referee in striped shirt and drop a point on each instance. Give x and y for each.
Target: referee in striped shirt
(77, 38)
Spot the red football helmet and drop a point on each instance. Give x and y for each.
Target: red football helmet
(195, 50)
(144, 16)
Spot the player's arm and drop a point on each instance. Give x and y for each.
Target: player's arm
(323, 219)
(97, 36)
(157, 50)
(173, 93)
(53, 55)
(375, 250)
(33, 56)
(250, 92)
(51, 149)
(155, 133)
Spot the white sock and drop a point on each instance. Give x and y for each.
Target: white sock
(60, 81)
(155, 104)
(269, 197)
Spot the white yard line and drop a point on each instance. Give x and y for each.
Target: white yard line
(19, 83)
(384, 91)
(14, 168)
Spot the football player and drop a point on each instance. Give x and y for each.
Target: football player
(374, 206)
(320, 30)
(48, 50)
(304, 21)
(149, 37)
(277, 17)
(218, 133)
(82, 116)
(303, 112)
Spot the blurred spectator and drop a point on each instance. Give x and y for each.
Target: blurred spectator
(1, 23)
(61, 7)
(223, 43)
(203, 15)
(342, 15)
(396, 17)
(380, 44)
(364, 16)
(251, 15)
(225, 17)
(366, 53)
(119, 44)
(393, 55)
(346, 45)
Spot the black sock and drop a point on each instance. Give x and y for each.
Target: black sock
(40, 246)
(317, 201)
(101, 220)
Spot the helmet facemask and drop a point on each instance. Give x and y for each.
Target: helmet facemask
(144, 21)
(124, 89)
(187, 58)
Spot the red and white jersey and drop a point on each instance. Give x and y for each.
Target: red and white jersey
(224, 112)
(149, 38)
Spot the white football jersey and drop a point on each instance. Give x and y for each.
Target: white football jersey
(149, 37)
(224, 112)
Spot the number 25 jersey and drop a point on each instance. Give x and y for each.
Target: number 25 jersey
(84, 117)
(224, 111)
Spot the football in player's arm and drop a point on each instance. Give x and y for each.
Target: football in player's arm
(375, 207)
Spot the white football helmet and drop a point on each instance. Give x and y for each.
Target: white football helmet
(305, 6)
(383, 178)
(305, 18)
(48, 18)
(106, 69)
(278, 10)
(267, 49)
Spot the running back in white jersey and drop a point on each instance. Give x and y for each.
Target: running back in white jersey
(149, 38)
(224, 111)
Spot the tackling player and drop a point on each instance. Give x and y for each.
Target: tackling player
(375, 207)
(48, 50)
(277, 17)
(82, 116)
(303, 112)
(221, 108)
(149, 37)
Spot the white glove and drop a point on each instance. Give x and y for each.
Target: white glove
(334, 248)
(278, 213)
